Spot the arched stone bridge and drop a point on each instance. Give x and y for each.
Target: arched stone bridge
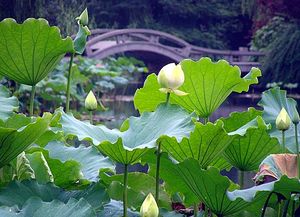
(106, 42)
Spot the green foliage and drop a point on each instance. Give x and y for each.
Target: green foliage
(8, 103)
(30, 50)
(207, 83)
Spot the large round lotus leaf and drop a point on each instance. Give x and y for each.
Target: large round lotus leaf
(8, 103)
(273, 101)
(29, 51)
(252, 142)
(206, 144)
(207, 83)
(13, 141)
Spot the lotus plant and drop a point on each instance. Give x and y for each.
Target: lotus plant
(283, 123)
(149, 207)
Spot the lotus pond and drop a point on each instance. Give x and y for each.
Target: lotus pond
(55, 164)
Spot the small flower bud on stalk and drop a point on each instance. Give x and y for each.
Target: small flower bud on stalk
(283, 122)
(83, 19)
(91, 104)
(149, 207)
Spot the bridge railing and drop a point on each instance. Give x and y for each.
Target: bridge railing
(105, 42)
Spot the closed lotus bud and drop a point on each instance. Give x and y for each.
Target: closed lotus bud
(283, 120)
(149, 207)
(83, 18)
(91, 102)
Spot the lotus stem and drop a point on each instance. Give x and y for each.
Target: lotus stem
(91, 117)
(297, 149)
(196, 209)
(266, 205)
(69, 83)
(293, 208)
(241, 175)
(285, 208)
(168, 98)
(283, 141)
(206, 120)
(31, 105)
(125, 197)
(157, 178)
(279, 209)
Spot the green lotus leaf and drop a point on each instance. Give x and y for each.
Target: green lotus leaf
(213, 189)
(84, 130)
(90, 159)
(144, 131)
(205, 144)
(40, 167)
(115, 209)
(15, 141)
(272, 101)
(29, 51)
(252, 142)
(208, 84)
(35, 207)
(8, 103)
(17, 193)
(23, 168)
(137, 190)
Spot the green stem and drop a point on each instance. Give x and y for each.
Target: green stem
(196, 209)
(283, 141)
(266, 205)
(31, 100)
(91, 117)
(293, 208)
(157, 179)
(241, 175)
(69, 83)
(206, 120)
(297, 149)
(279, 209)
(168, 98)
(125, 197)
(285, 208)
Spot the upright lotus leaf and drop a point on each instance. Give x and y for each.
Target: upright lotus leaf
(23, 168)
(272, 101)
(15, 141)
(205, 144)
(144, 131)
(84, 130)
(90, 159)
(207, 83)
(29, 51)
(252, 142)
(137, 190)
(213, 189)
(8, 103)
(17, 193)
(35, 207)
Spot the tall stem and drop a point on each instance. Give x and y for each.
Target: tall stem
(31, 105)
(157, 179)
(91, 117)
(266, 205)
(283, 142)
(69, 83)
(241, 178)
(125, 198)
(168, 98)
(206, 120)
(297, 149)
(285, 208)
(196, 207)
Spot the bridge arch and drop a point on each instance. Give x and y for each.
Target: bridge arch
(107, 42)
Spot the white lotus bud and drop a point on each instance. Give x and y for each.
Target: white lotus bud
(149, 207)
(283, 120)
(91, 102)
(171, 76)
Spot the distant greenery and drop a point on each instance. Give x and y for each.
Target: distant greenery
(213, 24)
(101, 76)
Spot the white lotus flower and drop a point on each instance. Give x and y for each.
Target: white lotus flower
(283, 120)
(149, 207)
(91, 102)
(170, 78)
